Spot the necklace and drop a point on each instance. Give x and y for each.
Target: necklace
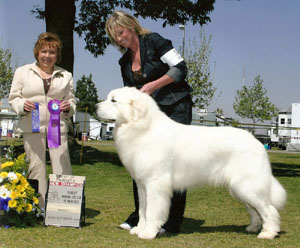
(48, 81)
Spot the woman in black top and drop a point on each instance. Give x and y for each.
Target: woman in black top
(151, 64)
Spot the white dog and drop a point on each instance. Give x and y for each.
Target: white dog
(162, 155)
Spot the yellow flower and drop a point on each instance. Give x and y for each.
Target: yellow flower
(20, 188)
(21, 159)
(14, 194)
(35, 200)
(12, 203)
(20, 162)
(24, 194)
(24, 182)
(15, 181)
(12, 187)
(7, 164)
(19, 176)
(20, 209)
(28, 208)
(3, 174)
(7, 185)
(30, 190)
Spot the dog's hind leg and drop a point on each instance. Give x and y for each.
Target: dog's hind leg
(158, 203)
(255, 220)
(268, 214)
(260, 201)
(271, 221)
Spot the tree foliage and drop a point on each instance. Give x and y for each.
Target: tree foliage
(252, 102)
(199, 74)
(6, 72)
(94, 13)
(89, 23)
(220, 111)
(86, 92)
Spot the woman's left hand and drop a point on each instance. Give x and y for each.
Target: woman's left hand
(148, 88)
(64, 106)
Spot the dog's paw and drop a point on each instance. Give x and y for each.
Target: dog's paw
(137, 229)
(134, 230)
(147, 235)
(267, 235)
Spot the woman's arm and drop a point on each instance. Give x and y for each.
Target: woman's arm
(168, 55)
(150, 87)
(15, 98)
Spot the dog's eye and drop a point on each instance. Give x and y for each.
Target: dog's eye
(113, 100)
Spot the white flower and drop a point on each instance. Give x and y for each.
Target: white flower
(4, 192)
(11, 176)
(1, 179)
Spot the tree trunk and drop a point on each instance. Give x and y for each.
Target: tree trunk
(60, 19)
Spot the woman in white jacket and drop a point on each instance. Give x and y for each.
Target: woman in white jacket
(33, 87)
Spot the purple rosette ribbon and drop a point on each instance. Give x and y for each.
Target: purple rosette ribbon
(53, 135)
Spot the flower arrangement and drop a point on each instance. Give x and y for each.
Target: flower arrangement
(18, 199)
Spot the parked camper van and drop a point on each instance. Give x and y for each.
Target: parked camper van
(287, 130)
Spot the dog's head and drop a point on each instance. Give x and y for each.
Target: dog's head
(126, 104)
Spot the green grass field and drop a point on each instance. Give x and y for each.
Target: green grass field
(212, 217)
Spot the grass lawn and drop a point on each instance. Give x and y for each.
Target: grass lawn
(212, 217)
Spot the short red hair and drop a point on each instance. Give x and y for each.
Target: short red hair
(50, 40)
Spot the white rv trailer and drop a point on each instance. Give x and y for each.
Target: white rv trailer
(287, 130)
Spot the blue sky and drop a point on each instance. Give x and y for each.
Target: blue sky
(260, 37)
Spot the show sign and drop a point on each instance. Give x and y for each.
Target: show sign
(65, 201)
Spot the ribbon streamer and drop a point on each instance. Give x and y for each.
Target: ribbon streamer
(35, 119)
(53, 135)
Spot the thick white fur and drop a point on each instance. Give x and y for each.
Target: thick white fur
(162, 155)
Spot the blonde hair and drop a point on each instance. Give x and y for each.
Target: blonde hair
(50, 40)
(120, 18)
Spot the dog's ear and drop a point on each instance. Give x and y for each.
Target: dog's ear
(138, 110)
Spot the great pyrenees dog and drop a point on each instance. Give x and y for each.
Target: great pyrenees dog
(162, 155)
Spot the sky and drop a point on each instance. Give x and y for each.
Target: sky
(249, 38)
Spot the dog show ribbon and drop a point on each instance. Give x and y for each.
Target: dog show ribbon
(35, 119)
(53, 135)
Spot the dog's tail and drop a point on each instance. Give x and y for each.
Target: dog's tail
(278, 194)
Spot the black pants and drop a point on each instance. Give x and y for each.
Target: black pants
(180, 112)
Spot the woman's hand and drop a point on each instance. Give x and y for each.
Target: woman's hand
(64, 106)
(28, 106)
(148, 88)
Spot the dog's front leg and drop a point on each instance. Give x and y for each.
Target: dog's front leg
(142, 209)
(158, 195)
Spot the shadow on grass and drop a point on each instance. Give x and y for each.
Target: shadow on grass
(90, 214)
(191, 225)
(285, 170)
(91, 155)
(87, 154)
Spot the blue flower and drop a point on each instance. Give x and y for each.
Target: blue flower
(4, 203)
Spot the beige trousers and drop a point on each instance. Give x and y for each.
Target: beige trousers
(35, 148)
